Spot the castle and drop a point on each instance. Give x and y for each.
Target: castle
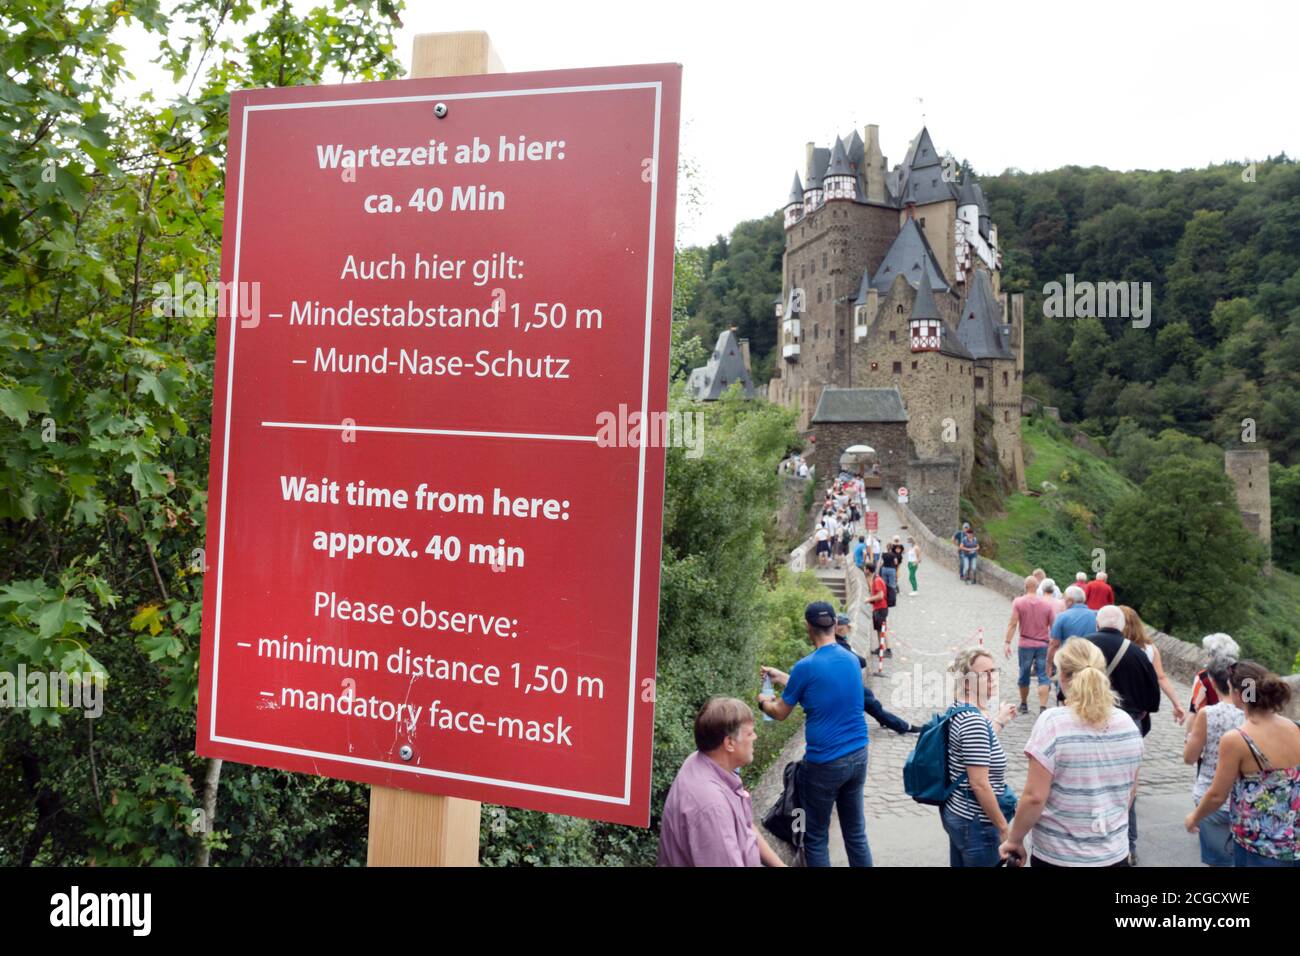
(893, 326)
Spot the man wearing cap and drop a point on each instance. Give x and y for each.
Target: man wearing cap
(828, 683)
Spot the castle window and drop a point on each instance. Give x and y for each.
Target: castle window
(914, 366)
(823, 260)
(1006, 416)
(979, 381)
(900, 308)
(898, 368)
(893, 336)
(812, 267)
(1004, 378)
(819, 296)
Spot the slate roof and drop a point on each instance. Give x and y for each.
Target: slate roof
(980, 328)
(726, 367)
(839, 163)
(908, 256)
(796, 191)
(855, 149)
(923, 306)
(860, 405)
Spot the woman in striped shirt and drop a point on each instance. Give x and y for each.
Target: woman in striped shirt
(1083, 771)
(972, 817)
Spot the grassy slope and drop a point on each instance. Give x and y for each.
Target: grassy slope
(1058, 531)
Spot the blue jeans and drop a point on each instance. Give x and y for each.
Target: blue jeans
(1216, 839)
(1244, 857)
(970, 842)
(837, 784)
(967, 564)
(1033, 658)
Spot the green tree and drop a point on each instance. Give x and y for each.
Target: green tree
(1178, 552)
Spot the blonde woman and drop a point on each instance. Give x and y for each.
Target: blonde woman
(1083, 770)
(1137, 633)
(975, 815)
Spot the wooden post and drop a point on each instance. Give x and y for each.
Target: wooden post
(409, 828)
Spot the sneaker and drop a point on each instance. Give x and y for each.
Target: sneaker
(889, 652)
(1024, 708)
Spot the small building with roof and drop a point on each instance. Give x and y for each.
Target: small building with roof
(727, 365)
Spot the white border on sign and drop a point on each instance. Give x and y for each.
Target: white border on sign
(626, 797)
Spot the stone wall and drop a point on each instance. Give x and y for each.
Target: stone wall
(934, 491)
(889, 439)
(935, 387)
(790, 517)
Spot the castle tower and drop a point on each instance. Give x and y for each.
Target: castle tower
(794, 205)
(1249, 473)
(812, 194)
(838, 182)
(926, 323)
(873, 166)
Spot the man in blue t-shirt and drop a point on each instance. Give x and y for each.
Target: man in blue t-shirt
(828, 683)
(1077, 620)
(860, 552)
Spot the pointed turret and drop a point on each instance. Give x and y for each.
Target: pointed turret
(794, 205)
(838, 182)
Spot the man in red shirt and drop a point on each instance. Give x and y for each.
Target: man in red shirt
(1098, 592)
(878, 595)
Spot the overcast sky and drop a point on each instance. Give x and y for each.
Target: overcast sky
(1036, 85)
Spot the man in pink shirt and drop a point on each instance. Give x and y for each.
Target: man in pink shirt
(1098, 592)
(1034, 616)
(708, 817)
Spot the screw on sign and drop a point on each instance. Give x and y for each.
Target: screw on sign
(488, 659)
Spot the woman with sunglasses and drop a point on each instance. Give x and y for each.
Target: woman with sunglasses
(975, 816)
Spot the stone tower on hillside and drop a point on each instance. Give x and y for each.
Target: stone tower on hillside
(1249, 473)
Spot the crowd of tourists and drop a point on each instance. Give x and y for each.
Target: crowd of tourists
(1099, 678)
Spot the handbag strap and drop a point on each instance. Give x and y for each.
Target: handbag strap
(1114, 662)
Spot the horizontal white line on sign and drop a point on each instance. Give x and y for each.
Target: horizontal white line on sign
(329, 426)
(426, 771)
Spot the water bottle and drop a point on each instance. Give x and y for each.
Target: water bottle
(767, 689)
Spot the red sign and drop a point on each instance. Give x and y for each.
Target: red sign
(872, 520)
(433, 524)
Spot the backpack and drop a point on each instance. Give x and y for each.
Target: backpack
(925, 774)
(780, 819)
